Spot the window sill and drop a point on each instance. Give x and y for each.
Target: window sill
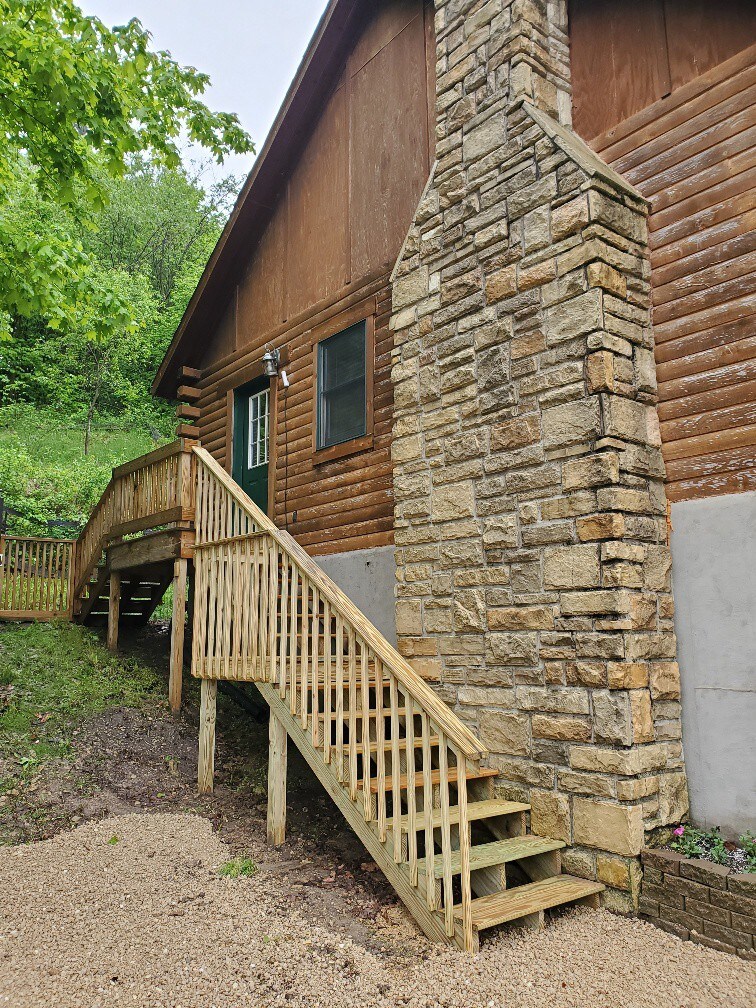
(360, 444)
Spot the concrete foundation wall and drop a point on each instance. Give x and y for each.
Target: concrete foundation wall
(368, 577)
(714, 581)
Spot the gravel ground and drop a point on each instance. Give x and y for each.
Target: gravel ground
(132, 911)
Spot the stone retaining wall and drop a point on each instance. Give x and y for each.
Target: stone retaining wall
(700, 901)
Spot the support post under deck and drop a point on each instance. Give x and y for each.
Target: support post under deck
(114, 606)
(178, 621)
(278, 738)
(206, 760)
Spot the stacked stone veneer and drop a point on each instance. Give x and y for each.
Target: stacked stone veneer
(531, 528)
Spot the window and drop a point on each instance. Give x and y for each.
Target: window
(342, 403)
(258, 412)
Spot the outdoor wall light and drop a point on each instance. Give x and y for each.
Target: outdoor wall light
(271, 360)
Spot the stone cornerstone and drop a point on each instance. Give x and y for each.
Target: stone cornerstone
(532, 550)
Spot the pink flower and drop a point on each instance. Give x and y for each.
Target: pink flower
(679, 831)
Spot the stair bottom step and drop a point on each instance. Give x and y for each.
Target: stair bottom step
(509, 905)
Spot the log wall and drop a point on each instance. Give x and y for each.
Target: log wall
(335, 231)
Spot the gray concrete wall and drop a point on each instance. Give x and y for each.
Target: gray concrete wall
(714, 581)
(368, 577)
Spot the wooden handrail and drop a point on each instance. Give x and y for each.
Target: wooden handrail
(328, 590)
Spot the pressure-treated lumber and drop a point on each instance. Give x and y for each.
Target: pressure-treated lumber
(398, 762)
(206, 758)
(114, 604)
(488, 911)
(276, 826)
(178, 627)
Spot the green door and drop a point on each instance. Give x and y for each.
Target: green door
(251, 436)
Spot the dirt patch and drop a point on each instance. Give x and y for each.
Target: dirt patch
(128, 760)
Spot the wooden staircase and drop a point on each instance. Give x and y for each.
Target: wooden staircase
(408, 775)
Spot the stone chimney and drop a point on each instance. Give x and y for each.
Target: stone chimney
(532, 549)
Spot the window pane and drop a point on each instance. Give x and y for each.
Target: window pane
(344, 414)
(341, 387)
(343, 357)
(258, 429)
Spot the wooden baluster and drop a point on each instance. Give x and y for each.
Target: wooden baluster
(304, 670)
(365, 734)
(327, 682)
(430, 849)
(254, 609)
(396, 794)
(339, 660)
(273, 614)
(264, 610)
(283, 627)
(352, 671)
(380, 734)
(409, 734)
(315, 679)
(233, 615)
(211, 559)
(249, 602)
(446, 848)
(464, 852)
(293, 640)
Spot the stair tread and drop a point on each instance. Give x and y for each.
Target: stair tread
(488, 809)
(497, 852)
(488, 911)
(435, 778)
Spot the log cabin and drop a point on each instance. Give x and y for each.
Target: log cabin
(470, 467)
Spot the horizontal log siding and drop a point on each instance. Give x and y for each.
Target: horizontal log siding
(342, 505)
(693, 155)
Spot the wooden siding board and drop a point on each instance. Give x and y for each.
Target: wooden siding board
(334, 231)
(627, 57)
(694, 157)
(317, 232)
(384, 189)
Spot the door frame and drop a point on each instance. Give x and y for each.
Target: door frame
(231, 396)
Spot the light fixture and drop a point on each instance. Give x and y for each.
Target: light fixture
(271, 360)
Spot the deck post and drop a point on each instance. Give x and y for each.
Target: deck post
(114, 606)
(206, 759)
(178, 622)
(276, 781)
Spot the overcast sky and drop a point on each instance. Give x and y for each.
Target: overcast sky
(250, 49)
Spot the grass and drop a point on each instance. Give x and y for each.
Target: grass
(238, 866)
(49, 443)
(52, 676)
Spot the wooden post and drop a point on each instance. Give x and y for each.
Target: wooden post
(276, 781)
(114, 605)
(178, 620)
(206, 760)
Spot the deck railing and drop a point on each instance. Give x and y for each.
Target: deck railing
(36, 577)
(46, 578)
(265, 612)
(154, 490)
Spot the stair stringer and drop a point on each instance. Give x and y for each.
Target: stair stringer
(431, 923)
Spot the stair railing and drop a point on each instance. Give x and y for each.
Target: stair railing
(265, 612)
(153, 490)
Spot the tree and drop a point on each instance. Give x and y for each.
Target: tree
(78, 101)
(147, 248)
